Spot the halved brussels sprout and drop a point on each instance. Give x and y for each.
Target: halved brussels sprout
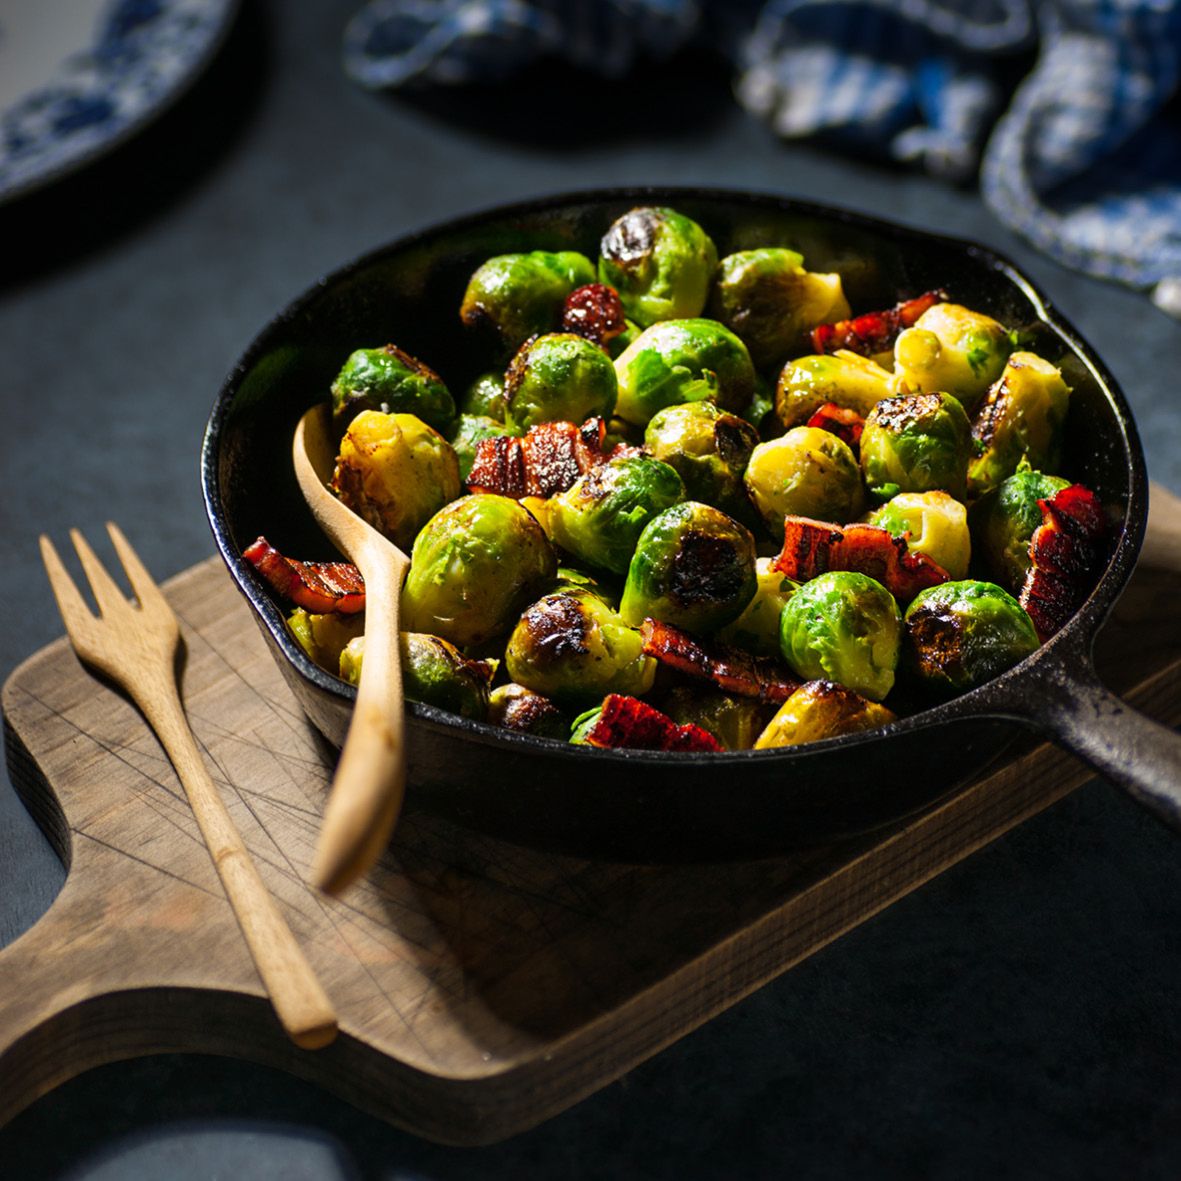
(572, 647)
(806, 473)
(484, 397)
(767, 298)
(822, 709)
(683, 361)
(323, 637)
(757, 628)
(845, 627)
(660, 262)
(961, 634)
(693, 567)
(475, 565)
(470, 430)
(392, 381)
(1007, 520)
(516, 708)
(395, 472)
(601, 516)
(936, 525)
(734, 721)
(558, 377)
(850, 380)
(916, 443)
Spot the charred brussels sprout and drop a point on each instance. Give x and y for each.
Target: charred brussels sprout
(916, 443)
(770, 301)
(395, 472)
(484, 397)
(469, 431)
(843, 627)
(821, 709)
(953, 351)
(323, 637)
(521, 295)
(848, 379)
(1020, 419)
(734, 721)
(1007, 522)
(683, 361)
(660, 262)
(936, 524)
(572, 647)
(961, 634)
(558, 377)
(475, 565)
(807, 473)
(693, 567)
(392, 381)
(600, 517)
(709, 449)
(516, 708)
(757, 628)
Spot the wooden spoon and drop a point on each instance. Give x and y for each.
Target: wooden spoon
(366, 794)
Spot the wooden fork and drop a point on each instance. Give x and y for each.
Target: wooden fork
(136, 646)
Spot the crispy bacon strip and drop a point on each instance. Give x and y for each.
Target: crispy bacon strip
(874, 332)
(1067, 551)
(319, 587)
(844, 423)
(813, 547)
(629, 722)
(593, 311)
(732, 669)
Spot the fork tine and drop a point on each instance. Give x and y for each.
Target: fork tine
(141, 581)
(75, 614)
(106, 591)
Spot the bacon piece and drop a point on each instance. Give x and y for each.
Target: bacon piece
(874, 332)
(1066, 551)
(844, 423)
(319, 587)
(813, 547)
(733, 669)
(593, 311)
(629, 722)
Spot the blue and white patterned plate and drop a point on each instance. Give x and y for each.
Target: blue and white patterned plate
(77, 77)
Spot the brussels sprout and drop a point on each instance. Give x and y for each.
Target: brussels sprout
(961, 634)
(395, 472)
(558, 377)
(843, 627)
(323, 637)
(770, 301)
(822, 709)
(709, 449)
(572, 647)
(916, 443)
(806, 473)
(1007, 520)
(475, 565)
(757, 628)
(937, 525)
(521, 295)
(394, 382)
(434, 672)
(600, 517)
(660, 262)
(848, 379)
(516, 708)
(469, 431)
(570, 578)
(1021, 418)
(734, 721)
(683, 361)
(485, 397)
(951, 350)
(693, 567)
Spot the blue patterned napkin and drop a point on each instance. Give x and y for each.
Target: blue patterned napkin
(1082, 156)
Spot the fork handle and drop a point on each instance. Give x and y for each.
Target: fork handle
(299, 1000)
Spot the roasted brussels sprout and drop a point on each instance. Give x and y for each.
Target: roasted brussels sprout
(916, 443)
(660, 262)
(475, 564)
(961, 634)
(850, 380)
(392, 381)
(572, 647)
(822, 709)
(693, 567)
(1021, 418)
(936, 525)
(484, 397)
(558, 377)
(757, 628)
(843, 627)
(806, 473)
(395, 472)
(683, 361)
(734, 721)
(516, 708)
(521, 295)
(709, 449)
(1007, 520)
(951, 350)
(323, 637)
(469, 430)
(767, 298)
(600, 517)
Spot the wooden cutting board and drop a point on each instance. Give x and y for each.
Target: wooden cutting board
(482, 987)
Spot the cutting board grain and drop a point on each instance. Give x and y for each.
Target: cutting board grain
(481, 987)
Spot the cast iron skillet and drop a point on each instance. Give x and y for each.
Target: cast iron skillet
(647, 806)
